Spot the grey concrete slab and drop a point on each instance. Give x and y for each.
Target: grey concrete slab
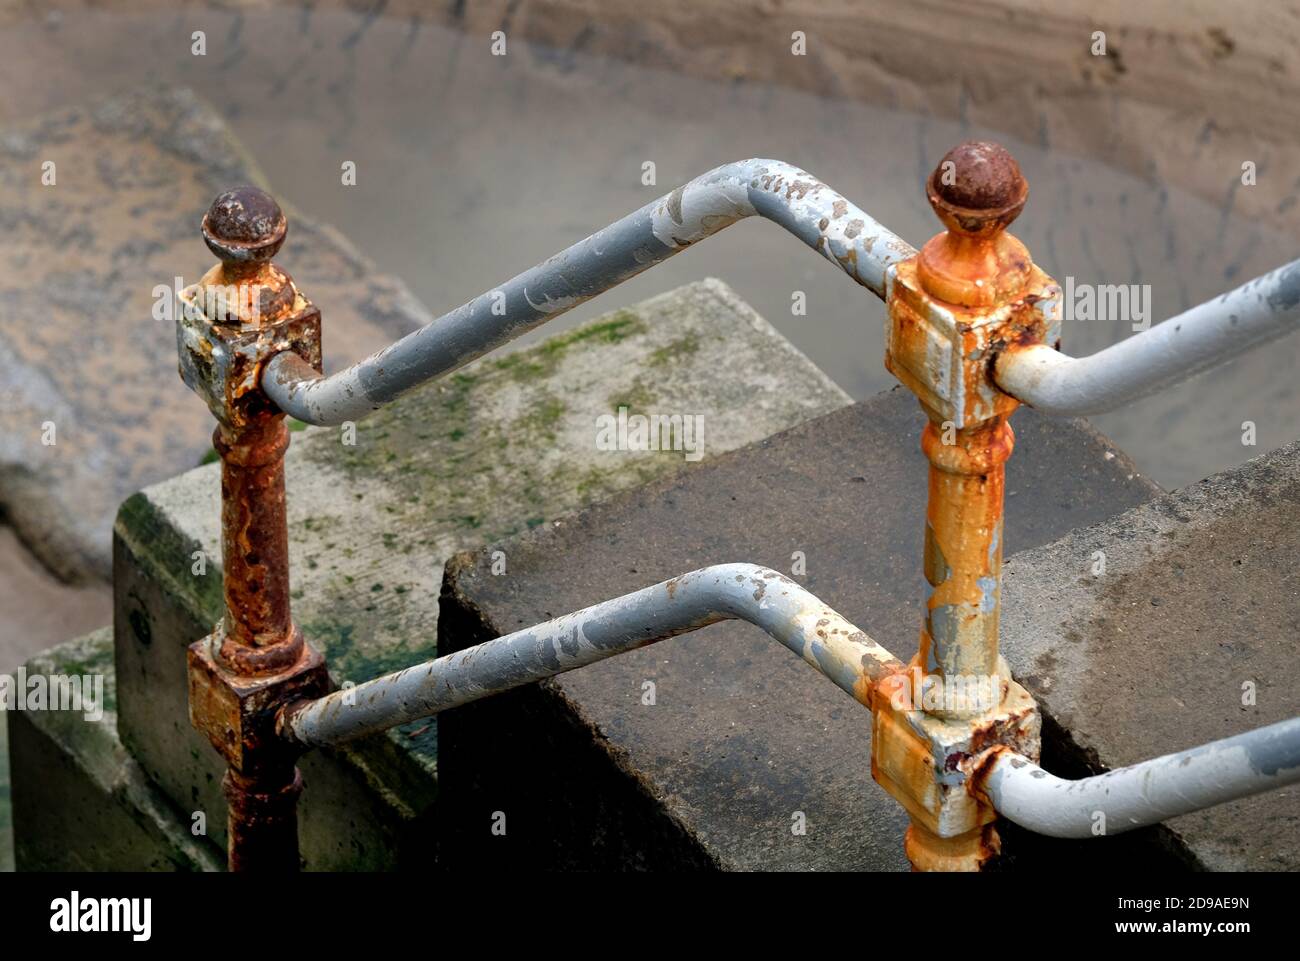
(1191, 634)
(741, 739)
(85, 803)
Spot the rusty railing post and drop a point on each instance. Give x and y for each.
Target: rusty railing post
(242, 312)
(970, 291)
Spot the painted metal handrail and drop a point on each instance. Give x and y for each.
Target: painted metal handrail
(1147, 793)
(833, 226)
(763, 597)
(1205, 336)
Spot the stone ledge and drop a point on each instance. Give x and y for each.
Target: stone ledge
(1201, 595)
(92, 807)
(742, 734)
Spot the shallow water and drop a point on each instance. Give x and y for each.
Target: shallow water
(472, 167)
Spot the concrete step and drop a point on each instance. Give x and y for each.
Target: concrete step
(1191, 634)
(506, 444)
(742, 737)
(80, 801)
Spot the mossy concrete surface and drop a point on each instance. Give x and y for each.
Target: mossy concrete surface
(108, 813)
(507, 444)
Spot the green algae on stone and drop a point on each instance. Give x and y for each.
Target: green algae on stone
(148, 529)
(128, 816)
(637, 398)
(678, 350)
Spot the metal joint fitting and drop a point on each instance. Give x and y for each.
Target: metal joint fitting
(930, 765)
(241, 314)
(243, 311)
(971, 291)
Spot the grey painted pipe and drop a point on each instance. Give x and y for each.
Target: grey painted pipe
(1195, 340)
(1155, 790)
(786, 195)
(755, 594)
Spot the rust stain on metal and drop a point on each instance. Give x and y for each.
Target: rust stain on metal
(800, 187)
(245, 228)
(972, 851)
(963, 546)
(243, 312)
(971, 290)
(262, 822)
(980, 176)
(980, 769)
(259, 633)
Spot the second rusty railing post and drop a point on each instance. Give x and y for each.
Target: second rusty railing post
(243, 312)
(969, 292)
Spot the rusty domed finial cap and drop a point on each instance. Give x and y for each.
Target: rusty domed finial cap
(977, 188)
(244, 226)
(977, 191)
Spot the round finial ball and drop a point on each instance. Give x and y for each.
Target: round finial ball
(979, 175)
(244, 225)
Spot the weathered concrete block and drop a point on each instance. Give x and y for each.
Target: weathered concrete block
(81, 802)
(81, 263)
(742, 736)
(1191, 634)
(506, 444)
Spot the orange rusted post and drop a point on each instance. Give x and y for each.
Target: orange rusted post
(970, 291)
(244, 311)
(983, 276)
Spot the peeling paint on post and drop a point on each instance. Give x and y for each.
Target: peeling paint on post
(970, 291)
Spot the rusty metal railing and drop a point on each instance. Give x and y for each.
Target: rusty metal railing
(973, 329)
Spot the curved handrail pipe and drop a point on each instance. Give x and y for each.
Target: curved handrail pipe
(1143, 794)
(763, 597)
(1209, 334)
(784, 194)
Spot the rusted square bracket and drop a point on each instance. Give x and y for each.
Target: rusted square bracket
(925, 763)
(238, 712)
(222, 362)
(942, 352)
